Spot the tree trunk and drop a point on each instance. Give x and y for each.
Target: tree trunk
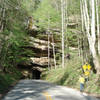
(2, 19)
(54, 55)
(48, 32)
(79, 49)
(48, 51)
(62, 12)
(93, 49)
(82, 40)
(98, 29)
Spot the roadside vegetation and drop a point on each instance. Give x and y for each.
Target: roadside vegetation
(69, 76)
(8, 80)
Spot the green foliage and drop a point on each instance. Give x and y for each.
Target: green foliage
(12, 53)
(73, 7)
(28, 6)
(6, 80)
(14, 33)
(71, 39)
(47, 15)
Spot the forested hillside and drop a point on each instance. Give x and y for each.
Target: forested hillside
(51, 40)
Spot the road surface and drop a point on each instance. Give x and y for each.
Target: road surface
(41, 90)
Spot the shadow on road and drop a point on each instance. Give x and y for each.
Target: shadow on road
(34, 89)
(28, 88)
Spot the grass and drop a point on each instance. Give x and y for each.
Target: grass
(6, 80)
(69, 76)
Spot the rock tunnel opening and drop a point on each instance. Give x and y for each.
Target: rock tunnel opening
(36, 74)
(30, 72)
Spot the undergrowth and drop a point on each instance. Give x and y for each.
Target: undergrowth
(7, 79)
(69, 76)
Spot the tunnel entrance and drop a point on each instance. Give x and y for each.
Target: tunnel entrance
(36, 73)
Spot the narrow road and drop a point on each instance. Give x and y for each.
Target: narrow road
(41, 90)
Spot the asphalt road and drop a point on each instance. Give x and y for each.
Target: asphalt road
(41, 90)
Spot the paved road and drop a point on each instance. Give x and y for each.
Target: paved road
(41, 90)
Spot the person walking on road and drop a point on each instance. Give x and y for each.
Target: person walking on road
(82, 81)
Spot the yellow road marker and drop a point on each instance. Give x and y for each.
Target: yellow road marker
(47, 95)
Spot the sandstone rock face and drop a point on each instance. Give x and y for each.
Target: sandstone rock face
(38, 43)
(40, 61)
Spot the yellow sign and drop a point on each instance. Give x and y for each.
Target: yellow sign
(87, 73)
(89, 67)
(86, 67)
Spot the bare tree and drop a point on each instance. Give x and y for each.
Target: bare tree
(90, 30)
(98, 29)
(48, 32)
(63, 14)
(54, 54)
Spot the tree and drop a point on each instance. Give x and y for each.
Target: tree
(12, 31)
(98, 29)
(54, 54)
(90, 30)
(62, 12)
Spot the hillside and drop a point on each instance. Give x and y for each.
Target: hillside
(69, 76)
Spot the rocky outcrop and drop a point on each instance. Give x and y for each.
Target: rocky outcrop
(41, 61)
(38, 43)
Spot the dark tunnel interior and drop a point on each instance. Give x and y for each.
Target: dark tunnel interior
(36, 74)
